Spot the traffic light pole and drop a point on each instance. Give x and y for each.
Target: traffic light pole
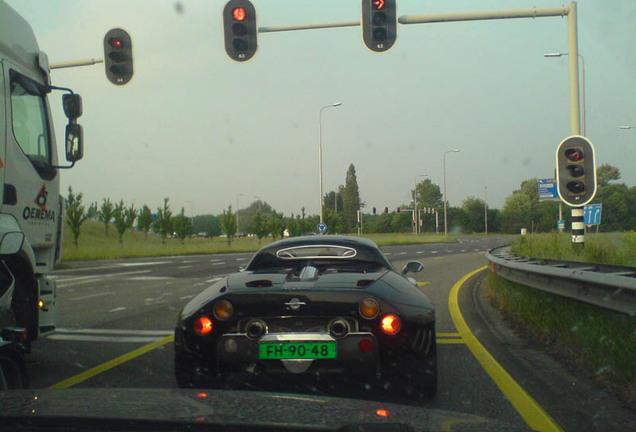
(76, 63)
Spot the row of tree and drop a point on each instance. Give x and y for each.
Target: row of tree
(522, 209)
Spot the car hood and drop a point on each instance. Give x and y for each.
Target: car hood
(156, 408)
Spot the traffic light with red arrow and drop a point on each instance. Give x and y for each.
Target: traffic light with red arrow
(379, 24)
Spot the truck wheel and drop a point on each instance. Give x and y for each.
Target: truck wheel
(13, 373)
(25, 298)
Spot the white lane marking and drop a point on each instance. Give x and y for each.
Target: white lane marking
(92, 277)
(189, 261)
(213, 280)
(86, 297)
(419, 252)
(476, 250)
(139, 264)
(149, 278)
(118, 309)
(449, 251)
(402, 253)
(387, 253)
(433, 251)
(114, 331)
(241, 259)
(186, 297)
(214, 260)
(218, 263)
(463, 250)
(88, 338)
(185, 267)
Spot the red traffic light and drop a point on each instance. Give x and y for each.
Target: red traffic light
(116, 43)
(378, 4)
(239, 14)
(574, 154)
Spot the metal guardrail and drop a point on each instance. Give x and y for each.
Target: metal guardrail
(610, 287)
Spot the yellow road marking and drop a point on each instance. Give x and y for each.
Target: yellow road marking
(69, 382)
(448, 335)
(530, 410)
(450, 341)
(423, 283)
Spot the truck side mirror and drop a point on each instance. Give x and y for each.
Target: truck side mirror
(74, 142)
(72, 106)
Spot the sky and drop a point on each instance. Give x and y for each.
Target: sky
(206, 132)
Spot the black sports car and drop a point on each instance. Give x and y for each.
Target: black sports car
(315, 306)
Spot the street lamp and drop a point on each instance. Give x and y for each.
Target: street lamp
(627, 127)
(191, 216)
(582, 85)
(237, 212)
(337, 104)
(416, 213)
(444, 170)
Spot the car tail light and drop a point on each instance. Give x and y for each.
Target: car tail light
(365, 346)
(391, 324)
(203, 325)
(369, 308)
(223, 310)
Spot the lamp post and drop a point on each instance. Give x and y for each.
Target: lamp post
(627, 127)
(191, 216)
(485, 209)
(582, 85)
(237, 212)
(320, 150)
(416, 213)
(444, 170)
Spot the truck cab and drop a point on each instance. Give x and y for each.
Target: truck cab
(29, 170)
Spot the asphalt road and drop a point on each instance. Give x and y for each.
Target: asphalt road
(115, 319)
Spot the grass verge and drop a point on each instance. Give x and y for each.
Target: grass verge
(610, 248)
(94, 244)
(599, 342)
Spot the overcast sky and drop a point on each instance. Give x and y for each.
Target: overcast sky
(196, 127)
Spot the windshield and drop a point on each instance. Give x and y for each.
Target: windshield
(429, 135)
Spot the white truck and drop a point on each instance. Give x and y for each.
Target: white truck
(31, 213)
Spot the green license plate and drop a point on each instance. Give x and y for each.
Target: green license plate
(301, 350)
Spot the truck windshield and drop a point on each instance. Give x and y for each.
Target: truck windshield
(30, 125)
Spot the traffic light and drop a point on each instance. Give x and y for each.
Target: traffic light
(379, 24)
(240, 29)
(118, 57)
(386, 210)
(576, 171)
(373, 210)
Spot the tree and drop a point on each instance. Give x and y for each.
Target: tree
(473, 215)
(123, 218)
(163, 223)
(351, 199)
(93, 211)
(105, 213)
(75, 214)
(228, 223)
(144, 220)
(258, 226)
(181, 225)
(606, 173)
(276, 225)
(333, 200)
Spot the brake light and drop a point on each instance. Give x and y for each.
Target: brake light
(369, 308)
(391, 324)
(203, 325)
(223, 310)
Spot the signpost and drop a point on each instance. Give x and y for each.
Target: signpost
(592, 214)
(322, 227)
(548, 190)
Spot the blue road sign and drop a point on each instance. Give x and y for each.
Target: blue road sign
(548, 190)
(322, 227)
(592, 214)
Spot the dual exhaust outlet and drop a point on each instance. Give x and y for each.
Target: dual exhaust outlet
(337, 328)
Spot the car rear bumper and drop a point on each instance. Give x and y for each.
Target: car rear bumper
(237, 352)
